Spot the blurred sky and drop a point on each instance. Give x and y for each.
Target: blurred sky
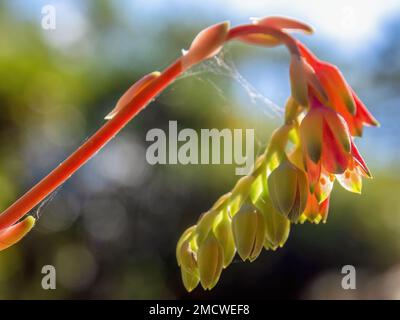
(348, 31)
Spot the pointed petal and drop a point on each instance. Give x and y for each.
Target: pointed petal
(324, 209)
(340, 91)
(363, 113)
(359, 159)
(338, 127)
(334, 158)
(350, 180)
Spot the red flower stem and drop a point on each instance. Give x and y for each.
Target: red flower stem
(98, 140)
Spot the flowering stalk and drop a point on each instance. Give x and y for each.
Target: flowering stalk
(291, 181)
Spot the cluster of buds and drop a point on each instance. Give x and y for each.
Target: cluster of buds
(292, 180)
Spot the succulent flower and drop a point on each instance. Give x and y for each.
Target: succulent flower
(292, 180)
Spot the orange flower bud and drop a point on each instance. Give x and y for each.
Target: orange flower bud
(206, 44)
(132, 92)
(16, 232)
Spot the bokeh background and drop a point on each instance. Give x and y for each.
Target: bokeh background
(111, 230)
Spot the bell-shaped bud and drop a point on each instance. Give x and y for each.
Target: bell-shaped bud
(132, 92)
(288, 190)
(277, 226)
(187, 259)
(206, 44)
(16, 232)
(190, 280)
(248, 231)
(223, 232)
(210, 260)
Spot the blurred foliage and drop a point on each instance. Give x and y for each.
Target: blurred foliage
(111, 230)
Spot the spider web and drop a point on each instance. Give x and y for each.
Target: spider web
(223, 65)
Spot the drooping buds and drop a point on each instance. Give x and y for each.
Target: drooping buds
(293, 179)
(206, 44)
(277, 226)
(248, 227)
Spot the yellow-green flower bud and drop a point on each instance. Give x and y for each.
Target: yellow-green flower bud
(277, 226)
(210, 261)
(185, 236)
(288, 190)
(188, 257)
(223, 232)
(190, 280)
(248, 231)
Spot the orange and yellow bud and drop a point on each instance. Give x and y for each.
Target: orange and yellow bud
(132, 92)
(206, 44)
(16, 232)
